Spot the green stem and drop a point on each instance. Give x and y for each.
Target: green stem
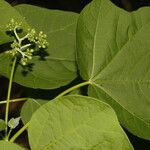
(9, 133)
(14, 100)
(7, 137)
(9, 93)
(73, 88)
(19, 132)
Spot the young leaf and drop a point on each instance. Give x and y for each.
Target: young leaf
(113, 54)
(57, 66)
(29, 107)
(14, 122)
(7, 12)
(9, 146)
(76, 122)
(2, 125)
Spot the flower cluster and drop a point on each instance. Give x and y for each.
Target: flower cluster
(39, 39)
(24, 47)
(13, 24)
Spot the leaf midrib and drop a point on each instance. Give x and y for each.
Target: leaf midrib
(94, 45)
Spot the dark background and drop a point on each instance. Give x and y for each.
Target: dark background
(77, 6)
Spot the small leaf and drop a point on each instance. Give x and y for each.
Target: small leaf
(9, 146)
(14, 122)
(29, 107)
(2, 125)
(75, 123)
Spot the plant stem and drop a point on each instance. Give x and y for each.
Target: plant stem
(9, 93)
(14, 100)
(19, 132)
(7, 137)
(16, 35)
(73, 88)
(25, 46)
(25, 37)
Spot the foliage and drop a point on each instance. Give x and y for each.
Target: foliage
(116, 61)
(48, 49)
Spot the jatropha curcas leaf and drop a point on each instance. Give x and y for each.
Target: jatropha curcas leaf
(76, 122)
(113, 53)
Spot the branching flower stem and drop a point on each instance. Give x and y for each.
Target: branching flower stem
(16, 35)
(20, 42)
(25, 37)
(9, 93)
(25, 54)
(25, 46)
(12, 74)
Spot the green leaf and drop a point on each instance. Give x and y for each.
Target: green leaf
(113, 54)
(29, 107)
(59, 67)
(7, 12)
(2, 125)
(9, 146)
(76, 122)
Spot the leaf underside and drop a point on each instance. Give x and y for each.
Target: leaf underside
(75, 123)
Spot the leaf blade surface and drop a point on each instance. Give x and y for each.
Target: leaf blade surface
(115, 45)
(76, 122)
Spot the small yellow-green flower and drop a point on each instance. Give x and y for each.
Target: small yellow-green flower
(24, 47)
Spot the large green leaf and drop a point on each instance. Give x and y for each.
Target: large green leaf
(29, 107)
(75, 123)
(58, 68)
(7, 12)
(9, 146)
(114, 55)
